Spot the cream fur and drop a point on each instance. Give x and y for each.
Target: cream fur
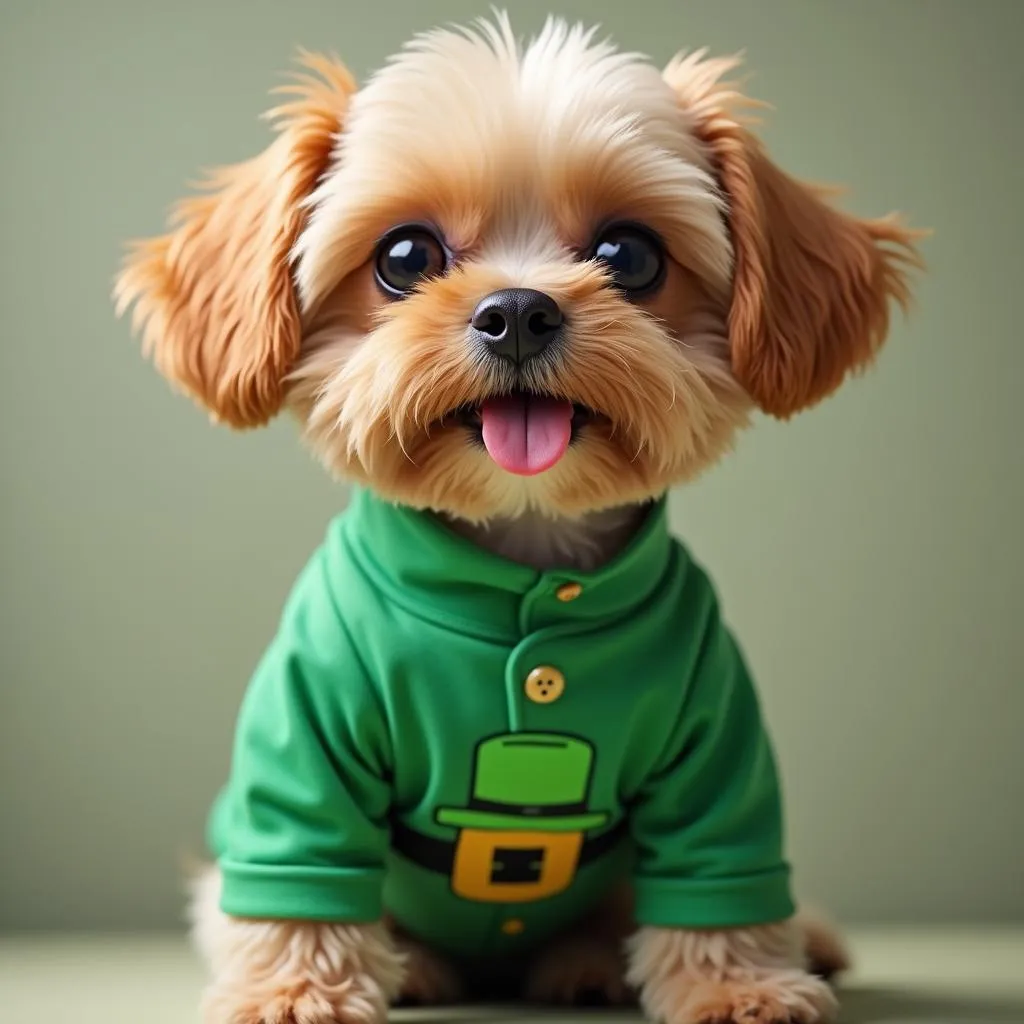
(262, 296)
(291, 972)
(564, 96)
(302, 972)
(753, 975)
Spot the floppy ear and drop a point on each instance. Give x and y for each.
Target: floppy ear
(812, 286)
(214, 298)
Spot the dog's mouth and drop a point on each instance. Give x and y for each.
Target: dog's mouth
(524, 432)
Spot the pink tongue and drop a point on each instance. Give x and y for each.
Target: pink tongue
(526, 434)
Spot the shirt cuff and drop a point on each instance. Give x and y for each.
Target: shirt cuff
(714, 903)
(306, 893)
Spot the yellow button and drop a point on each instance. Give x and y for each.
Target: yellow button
(513, 926)
(544, 685)
(568, 592)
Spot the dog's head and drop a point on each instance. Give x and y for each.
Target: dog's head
(499, 277)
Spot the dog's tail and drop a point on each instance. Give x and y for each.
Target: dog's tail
(827, 953)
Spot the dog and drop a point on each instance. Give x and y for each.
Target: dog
(502, 741)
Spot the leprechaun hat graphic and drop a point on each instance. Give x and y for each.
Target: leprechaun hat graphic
(529, 781)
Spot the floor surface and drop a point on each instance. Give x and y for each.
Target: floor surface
(902, 977)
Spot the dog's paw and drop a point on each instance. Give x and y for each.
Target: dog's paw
(790, 997)
(430, 980)
(580, 972)
(299, 1001)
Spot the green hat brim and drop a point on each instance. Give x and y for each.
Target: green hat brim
(460, 817)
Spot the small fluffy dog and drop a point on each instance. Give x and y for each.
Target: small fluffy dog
(513, 293)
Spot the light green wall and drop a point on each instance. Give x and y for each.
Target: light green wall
(870, 554)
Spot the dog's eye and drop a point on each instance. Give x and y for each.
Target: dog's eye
(406, 256)
(633, 255)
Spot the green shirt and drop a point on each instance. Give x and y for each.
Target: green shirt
(483, 752)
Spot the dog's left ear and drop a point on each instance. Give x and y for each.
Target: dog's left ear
(812, 286)
(214, 298)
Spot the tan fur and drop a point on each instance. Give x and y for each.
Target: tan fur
(591, 959)
(566, 130)
(826, 953)
(429, 978)
(374, 408)
(291, 972)
(273, 968)
(746, 976)
(812, 286)
(214, 297)
(578, 968)
(263, 295)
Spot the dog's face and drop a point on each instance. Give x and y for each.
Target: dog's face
(499, 278)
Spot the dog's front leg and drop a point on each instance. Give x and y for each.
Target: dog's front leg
(733, 976)
(292, 972)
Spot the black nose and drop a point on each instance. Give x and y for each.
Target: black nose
(517, 323)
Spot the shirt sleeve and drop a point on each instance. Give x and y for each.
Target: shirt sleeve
(301, 829)
(708, 824)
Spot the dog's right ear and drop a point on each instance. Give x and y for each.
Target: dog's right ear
(214, 298)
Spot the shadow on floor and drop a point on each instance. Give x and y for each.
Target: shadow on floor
(860, 1006)
(512, 1013)
(871, 1005)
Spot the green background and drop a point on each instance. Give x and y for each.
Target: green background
(869, 553)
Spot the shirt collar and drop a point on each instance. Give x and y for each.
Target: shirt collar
(422, 565)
